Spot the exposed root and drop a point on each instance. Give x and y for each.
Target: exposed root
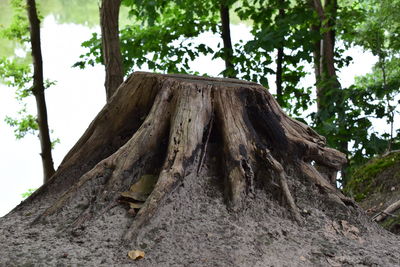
(149, 135)
(192, 114)
(113, 126)
(289, 198)
(237, 146)
(332, 192)
(280, 172)
(204, 149)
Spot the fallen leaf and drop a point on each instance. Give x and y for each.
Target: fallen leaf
(140, 190)
(145, 184)
(136, 254)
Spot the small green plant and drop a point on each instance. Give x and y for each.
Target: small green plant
(28, 193)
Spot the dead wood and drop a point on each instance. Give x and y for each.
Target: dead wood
(161, 125)
(387, 212)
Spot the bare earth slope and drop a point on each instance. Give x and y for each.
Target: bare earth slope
(194, 228)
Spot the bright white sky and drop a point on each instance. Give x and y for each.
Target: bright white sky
(78, 97)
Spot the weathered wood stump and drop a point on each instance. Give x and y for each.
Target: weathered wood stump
(156, 129)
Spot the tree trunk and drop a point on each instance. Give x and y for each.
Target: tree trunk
(279, 60)
(109, 14)
(326, 79)
(317, 63)
(165, 135)
(38, 91)
(324, 52)
(226, 38)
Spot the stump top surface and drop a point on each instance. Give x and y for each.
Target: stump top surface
(201, 79)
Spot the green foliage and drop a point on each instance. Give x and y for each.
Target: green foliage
(19, 26)
(17, 72)
(162, 37)
(271, 32)
(350, 113)
(26, 123)
(28, 192)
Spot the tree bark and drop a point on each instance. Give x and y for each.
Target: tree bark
(279, 61)
(317, 63)
(325, 71)
(325, 75)
(38, 91)
(383, 214)
(226, 38)
(109, 15)
(167, 137)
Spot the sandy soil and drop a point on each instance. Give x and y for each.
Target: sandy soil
(194, 228)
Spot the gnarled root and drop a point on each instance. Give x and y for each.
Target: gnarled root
(192, 114)
(115, 167)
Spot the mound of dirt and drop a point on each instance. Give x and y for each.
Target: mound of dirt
(195, 228)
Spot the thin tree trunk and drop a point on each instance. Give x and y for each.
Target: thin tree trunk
(279, 67)
(279, 62)
(324, 51)
(38, 91)
(317, 64)
(325, 74)
(226, 37)
(329, 38)
(390, 109)
(109, 14)
(332, 81)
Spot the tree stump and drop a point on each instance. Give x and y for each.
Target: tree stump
(156, 130)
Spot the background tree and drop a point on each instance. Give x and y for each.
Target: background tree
(377, 33)
(280, 57)
(177, 24)
(226, 38)
(38, 91)
(17, 73)
(109, 16)
(371, 25)
(278, 25)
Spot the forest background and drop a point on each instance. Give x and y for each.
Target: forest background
(273, 43)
